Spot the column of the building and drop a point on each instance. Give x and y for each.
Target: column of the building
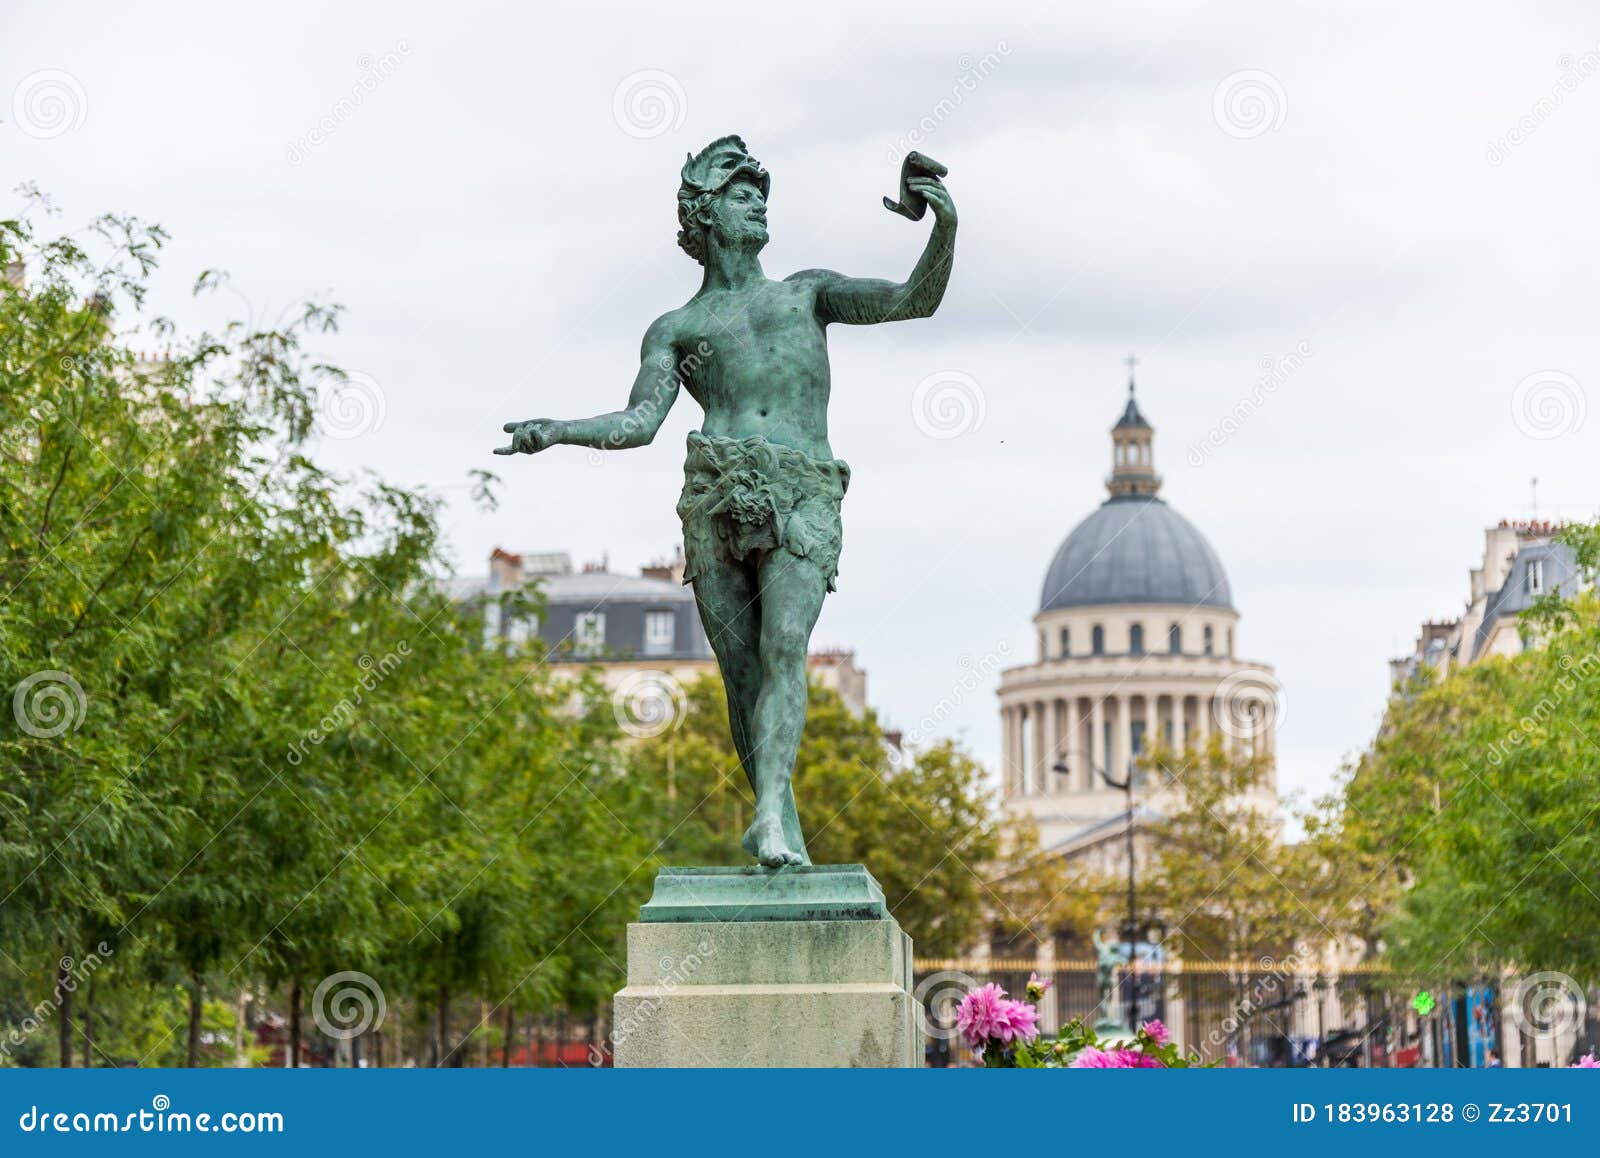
(1036, 712)
(1048, 780)
(1077, 747)
(1124, 734)
(1097, 744)
(1007, 757)
(1016, 750)
(1203, 719)
(1024, 757)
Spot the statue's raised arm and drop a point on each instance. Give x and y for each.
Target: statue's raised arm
(865, 301)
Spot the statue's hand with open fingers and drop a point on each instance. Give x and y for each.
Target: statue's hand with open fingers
(531, 437)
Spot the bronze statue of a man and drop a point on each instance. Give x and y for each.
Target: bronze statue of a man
(760, 503)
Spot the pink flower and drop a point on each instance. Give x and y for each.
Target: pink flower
(1133, 1059)
(1016, 1019)
(1036, 987)
(1156, 1031)
(1091, 1058)
(979, 1014)
(1586, 1063)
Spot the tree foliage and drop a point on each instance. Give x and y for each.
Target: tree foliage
(1478, 804)
(253, 748)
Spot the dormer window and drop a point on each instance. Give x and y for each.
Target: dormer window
(589, 633)
(660, 632)
(1536, 577)
(1097, 640)
(1175, 639)
(1136, 639)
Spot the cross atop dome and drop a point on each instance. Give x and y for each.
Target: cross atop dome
(1130, 413)
(1133, 471)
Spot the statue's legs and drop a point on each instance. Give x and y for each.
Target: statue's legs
(791, 590)
(731, 614)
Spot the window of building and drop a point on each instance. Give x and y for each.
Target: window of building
(1097, 640)
(1066, 642)
(518, 632)
(589, 633)
(1536, 577)
(1208, 639)
(660, 632)
(1136, 639)
(1175, 639)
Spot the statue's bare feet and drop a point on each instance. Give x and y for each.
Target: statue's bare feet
(764, 841)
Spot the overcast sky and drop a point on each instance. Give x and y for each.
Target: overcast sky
(1397, 203)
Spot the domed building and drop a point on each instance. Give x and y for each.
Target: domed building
(1136, 643)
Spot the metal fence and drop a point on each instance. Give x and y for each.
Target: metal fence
(1270, 1013)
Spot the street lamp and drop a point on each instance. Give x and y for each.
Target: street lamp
(1125, 786)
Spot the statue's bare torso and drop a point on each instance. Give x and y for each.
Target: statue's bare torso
(756, 360)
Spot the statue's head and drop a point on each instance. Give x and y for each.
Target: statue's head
(723, 193)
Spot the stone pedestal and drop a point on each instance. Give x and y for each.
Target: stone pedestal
(767, 968)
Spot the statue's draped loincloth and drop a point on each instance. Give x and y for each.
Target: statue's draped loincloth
(743, 496)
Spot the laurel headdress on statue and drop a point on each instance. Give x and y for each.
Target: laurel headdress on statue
(705, 174)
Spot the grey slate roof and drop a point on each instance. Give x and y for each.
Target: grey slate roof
(1131, 415)
(1135, 549)
(1560, 573)
(593, 587)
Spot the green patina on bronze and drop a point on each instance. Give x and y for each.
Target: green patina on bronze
(760, 504)
(832, 892)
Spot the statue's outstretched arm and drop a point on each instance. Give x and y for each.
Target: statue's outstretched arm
(655, 389)
(865, 301)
